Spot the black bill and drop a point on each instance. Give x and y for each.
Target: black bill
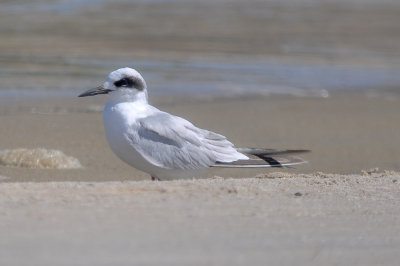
(95, 91)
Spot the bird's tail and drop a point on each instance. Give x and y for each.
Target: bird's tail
(264, 158)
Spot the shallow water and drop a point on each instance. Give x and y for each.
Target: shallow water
(300, 48)
(205, 78)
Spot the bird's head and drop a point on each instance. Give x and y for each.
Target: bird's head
(124, 80)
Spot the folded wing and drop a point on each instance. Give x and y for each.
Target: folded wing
(172, 142)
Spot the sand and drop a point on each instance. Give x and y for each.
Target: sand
(103, 214)
(336, 210)
(346, 133)
(314, 219)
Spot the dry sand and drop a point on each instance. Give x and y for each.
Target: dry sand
(289, 220)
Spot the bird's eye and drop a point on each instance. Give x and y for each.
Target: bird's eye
(124, 82)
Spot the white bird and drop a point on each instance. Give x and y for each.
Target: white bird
(167, 146)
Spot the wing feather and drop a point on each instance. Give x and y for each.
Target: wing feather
(174, 143)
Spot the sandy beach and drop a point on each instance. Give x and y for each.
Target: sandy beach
(307, 74)
(291, 219)
(111, 214)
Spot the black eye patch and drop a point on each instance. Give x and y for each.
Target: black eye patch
(125, 82)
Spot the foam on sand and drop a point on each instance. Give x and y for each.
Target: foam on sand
(38, 158)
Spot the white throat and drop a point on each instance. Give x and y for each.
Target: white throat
(129, 95)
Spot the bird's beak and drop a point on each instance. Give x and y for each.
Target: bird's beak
(95, 91)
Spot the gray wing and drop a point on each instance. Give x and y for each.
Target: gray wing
(172, 142)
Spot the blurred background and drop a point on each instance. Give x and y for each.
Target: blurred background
(310, 74)
(218, 47)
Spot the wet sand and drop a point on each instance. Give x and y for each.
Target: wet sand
(346, 133)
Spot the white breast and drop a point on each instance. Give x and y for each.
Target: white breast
(119, 122)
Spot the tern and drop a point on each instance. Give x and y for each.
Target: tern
(167, 146)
